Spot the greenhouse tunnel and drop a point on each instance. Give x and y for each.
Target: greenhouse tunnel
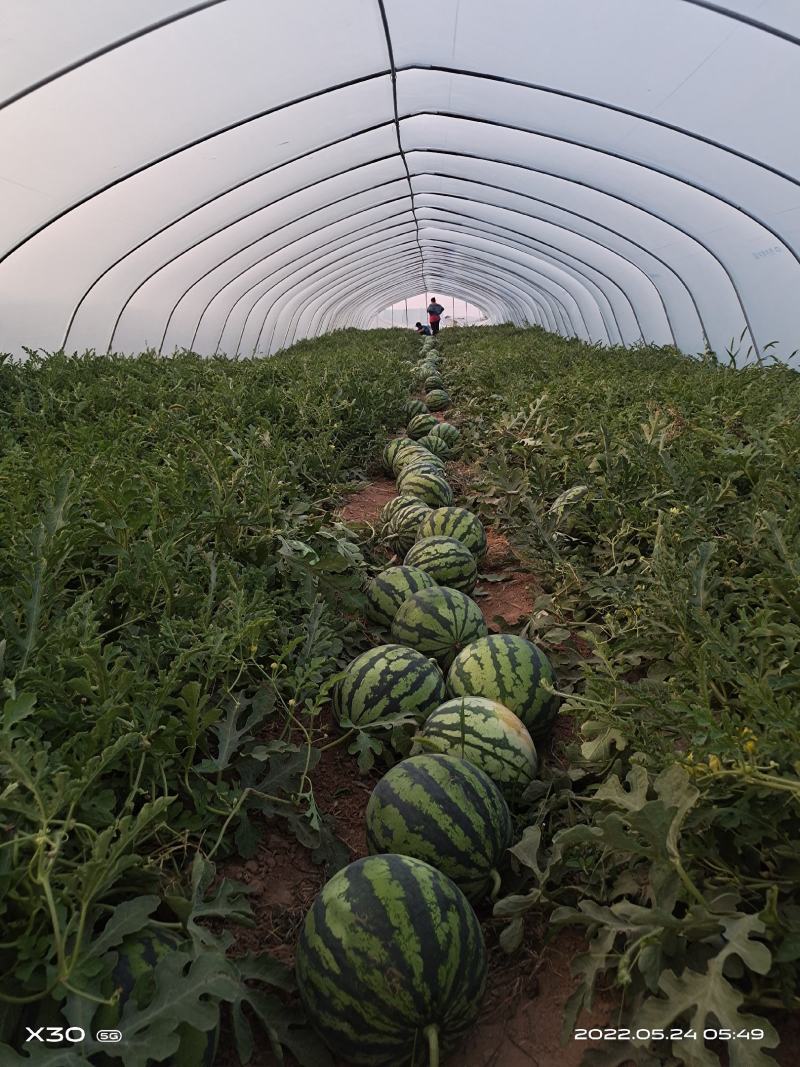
(232, 176)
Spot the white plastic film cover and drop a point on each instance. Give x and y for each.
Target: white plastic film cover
(233, 175)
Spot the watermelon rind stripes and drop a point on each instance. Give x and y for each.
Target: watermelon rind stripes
(459, 523)
(388, 680)
(487, 734)
(386, 591)
(400, 532)
(412, 453)
(439, 622)
(437, 399)
(420, 425)
(446, 811)
(389, 948)
(395, 505)
(415, 407)
(430, 488)
(448, 431)
(392, 448)
(437, 445)
(447, 560)
(511, 670)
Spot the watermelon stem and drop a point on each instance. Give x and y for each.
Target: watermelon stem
(432, 1034)
(496, 884)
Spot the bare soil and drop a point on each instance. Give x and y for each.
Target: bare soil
(520, 1022)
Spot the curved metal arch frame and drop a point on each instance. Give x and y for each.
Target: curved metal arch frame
(309, 300)
(243, 248)
(490, 122)
(390, 50)
(363, 320)
(290, 271)
(588, 185)
(376, 305)
(588, 285)
(505, 310)
(737, 16)
(502, 304)
(324, 300)
(313, 252)
(567, 180)
(112, 46)
(501, 273)
(514, 193)
(305, 155)
(533, 241)
(603, 192)
(290, 282)
(524, 294)
(593, 222)
(497, 242)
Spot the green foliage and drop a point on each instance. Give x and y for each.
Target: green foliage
(175, 598)
(657, 499)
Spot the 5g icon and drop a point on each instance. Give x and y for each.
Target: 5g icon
(109, 1037)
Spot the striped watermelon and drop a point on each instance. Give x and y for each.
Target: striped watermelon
(434, 381)
(388, 680)
(509, 669)
(446, 811)
(448, 432)
(420, 466)
(415, 407)
(400, 531)
(430, 488)
(438, 622)
(437, 445)
(387, 591)
(411, 453)
(458, 523)
(394, 506)
(392, 449)
(421, 425)
(437, 400)
(390, 963)
(422, 371)
(448, 561)
(485, 733)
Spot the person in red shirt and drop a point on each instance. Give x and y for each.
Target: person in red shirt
(434, 314)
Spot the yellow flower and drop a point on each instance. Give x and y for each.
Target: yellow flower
(714, 764)
(750, 746)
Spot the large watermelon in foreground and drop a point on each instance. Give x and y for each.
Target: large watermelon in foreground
(438, 622)
(388, 680)
(391, 964)
(446, 811)
(387, 591)
(448, 561)
(459, 523)
(488, 735)
(511, 670)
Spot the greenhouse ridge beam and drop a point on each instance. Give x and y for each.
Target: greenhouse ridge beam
(390, 50)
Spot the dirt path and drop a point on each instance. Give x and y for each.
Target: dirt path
(520, 1022)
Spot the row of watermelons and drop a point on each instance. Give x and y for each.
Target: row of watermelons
(391, 962)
